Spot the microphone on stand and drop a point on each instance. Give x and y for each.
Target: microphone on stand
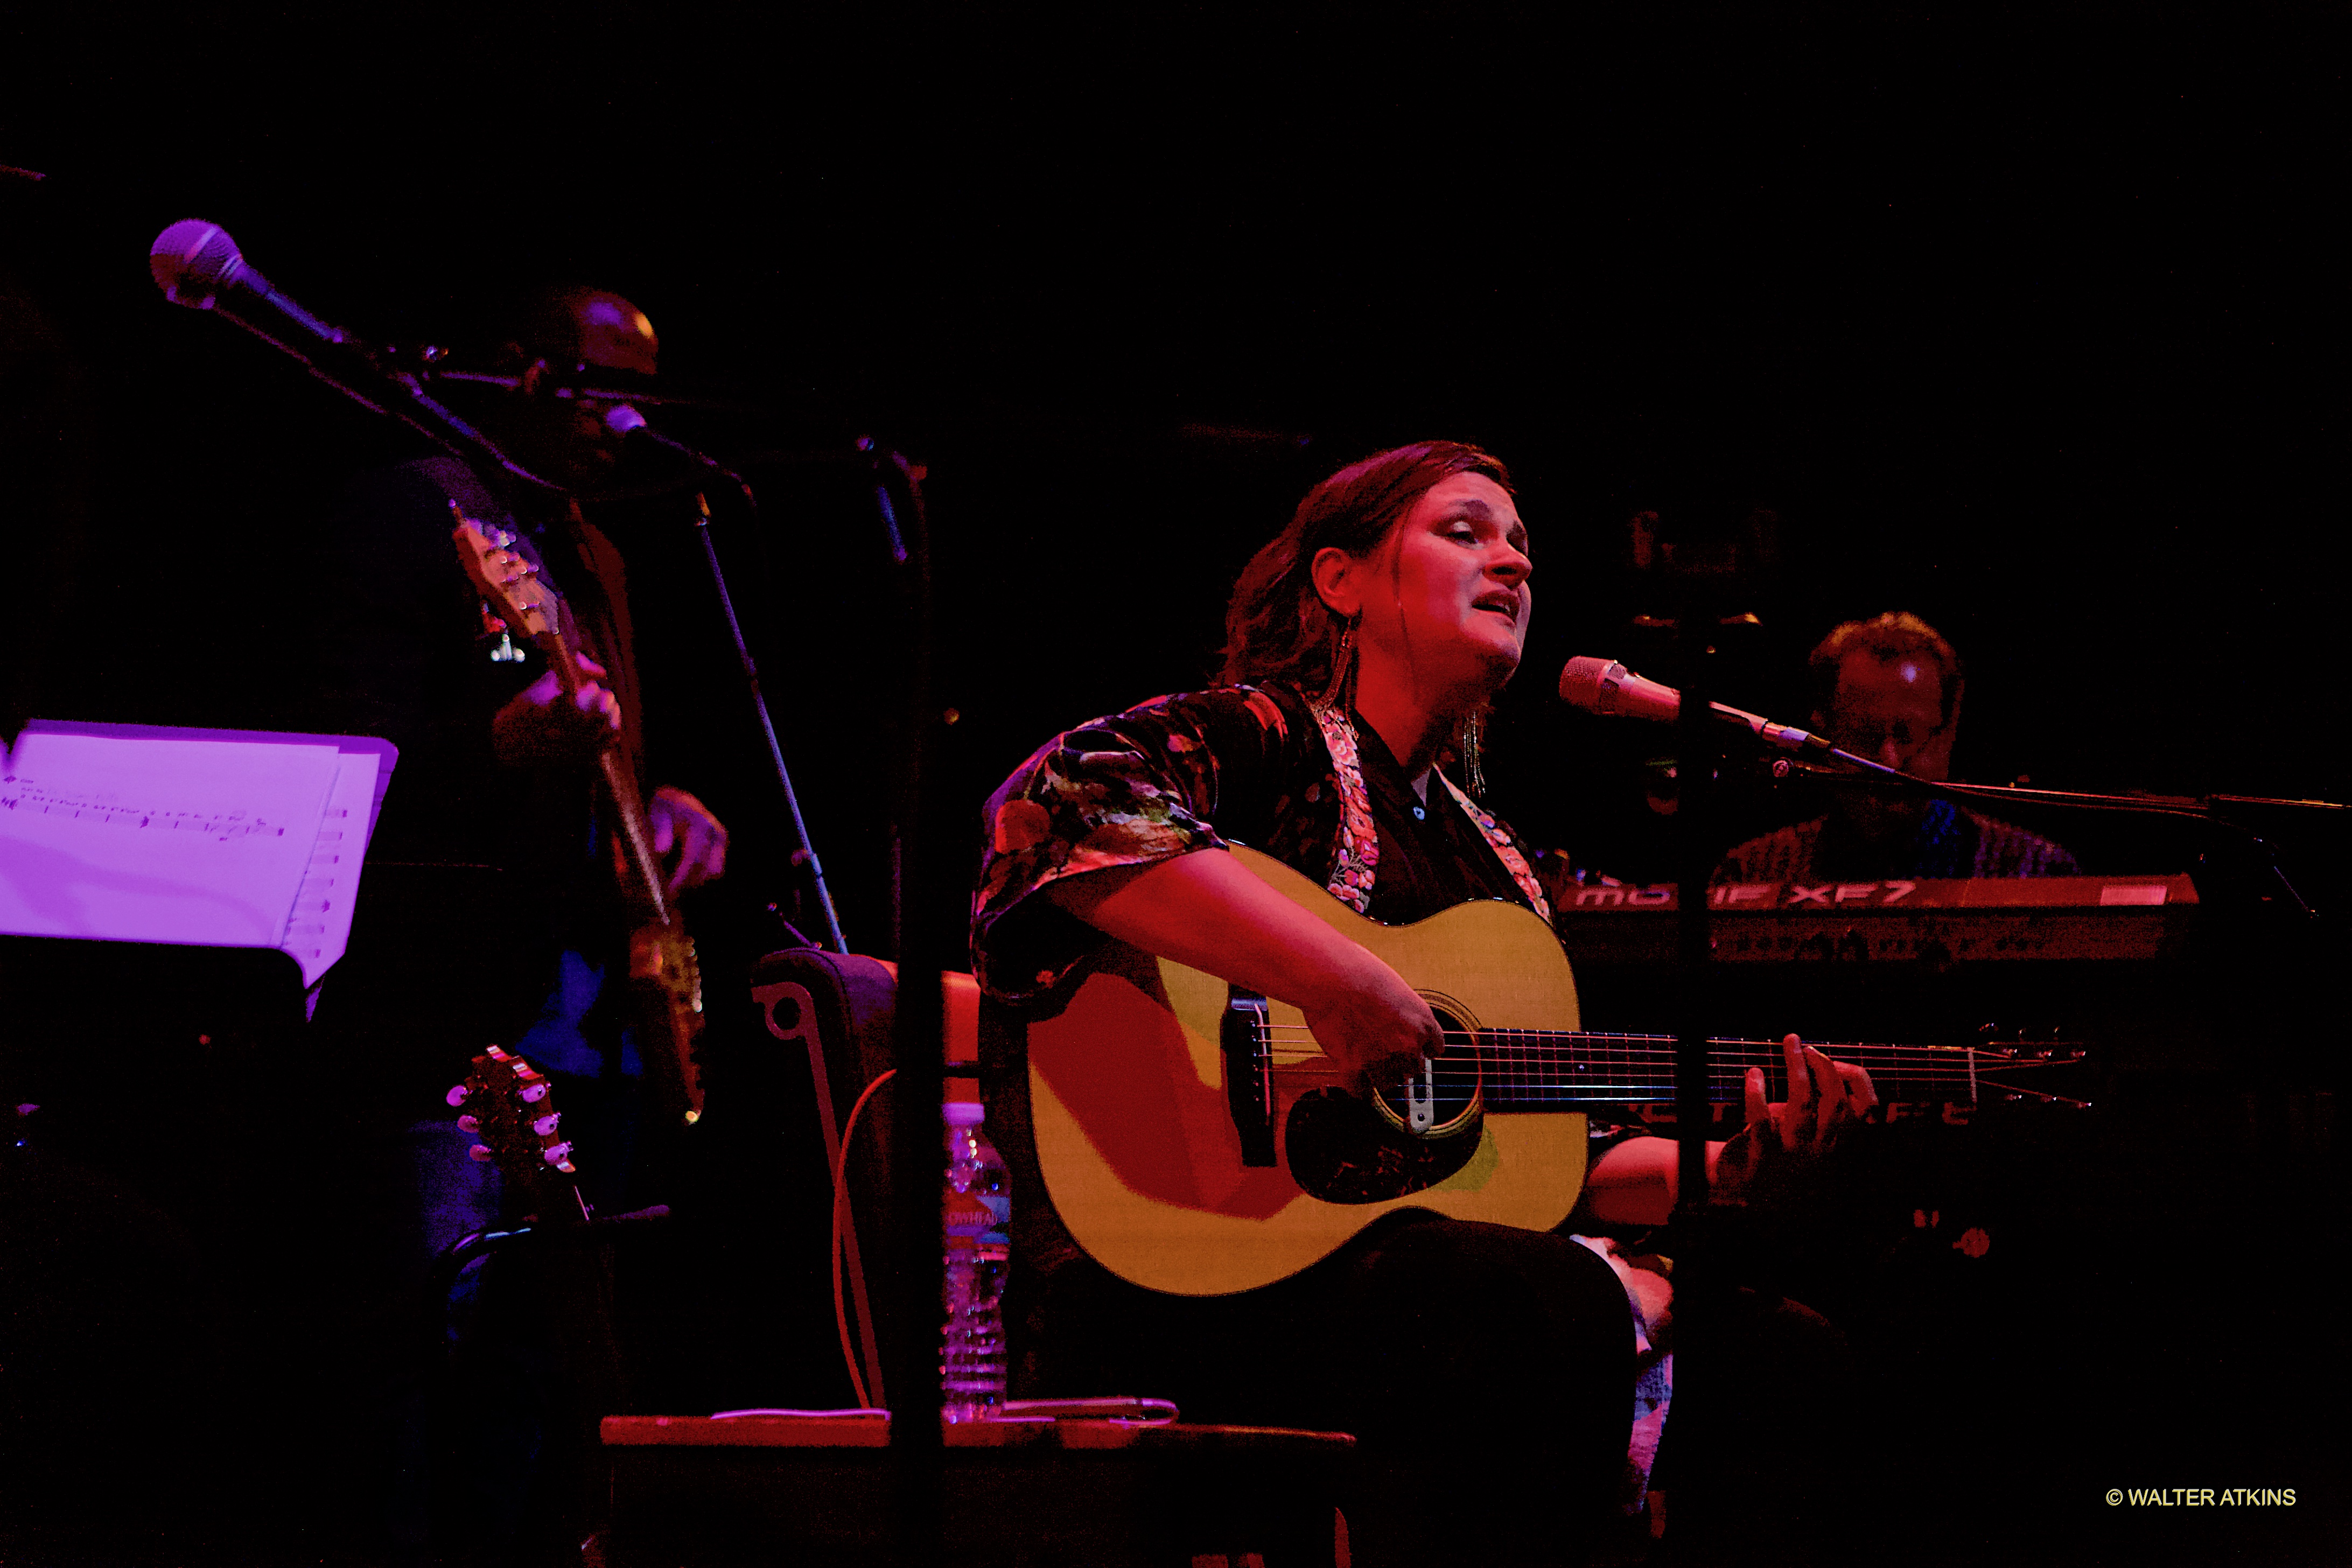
(630, 425)
(1605, 687)
(196, 264)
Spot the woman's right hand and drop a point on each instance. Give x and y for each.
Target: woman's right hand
(1209, 911)
(1376, 1027)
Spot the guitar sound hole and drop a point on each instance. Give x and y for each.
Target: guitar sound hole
(1344, 1150)
(1456, 1080)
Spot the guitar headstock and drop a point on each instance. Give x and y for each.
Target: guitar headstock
(510, 1105)
(509, 583)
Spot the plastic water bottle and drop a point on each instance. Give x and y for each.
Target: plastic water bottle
(974, 1208)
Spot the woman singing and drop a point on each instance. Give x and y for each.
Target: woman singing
(1486, 1371)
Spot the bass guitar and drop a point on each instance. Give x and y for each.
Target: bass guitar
(1195, 1140)
(664, 974)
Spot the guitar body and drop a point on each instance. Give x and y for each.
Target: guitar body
(666, 981)
(1143, 1157)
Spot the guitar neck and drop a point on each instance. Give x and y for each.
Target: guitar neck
(640, 868)
(641, 878)
(521, 601)
(663, 970)
(1527, 1069)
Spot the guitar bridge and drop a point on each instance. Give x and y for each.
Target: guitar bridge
(1249, 1085)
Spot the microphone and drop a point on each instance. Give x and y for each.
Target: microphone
(1605, 687)
(196, 264)
(630, 425)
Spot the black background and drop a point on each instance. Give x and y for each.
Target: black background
(2023, 321)
(2027, 319)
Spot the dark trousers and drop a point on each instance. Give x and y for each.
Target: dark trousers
(1486, 1372)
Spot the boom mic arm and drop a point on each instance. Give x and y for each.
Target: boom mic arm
(196, 264)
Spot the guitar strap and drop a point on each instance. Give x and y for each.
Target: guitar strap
(1504, 850)
(1360, 846)
(611, 638)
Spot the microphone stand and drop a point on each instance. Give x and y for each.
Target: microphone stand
(917, 1149)
(1697, 747)
(1704, 1266)
(414, 407)
(804, 850)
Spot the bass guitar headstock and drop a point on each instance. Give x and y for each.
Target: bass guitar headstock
(510, 1105)
(510, 583)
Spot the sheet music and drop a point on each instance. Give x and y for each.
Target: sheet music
(319, 928)
(128, 833)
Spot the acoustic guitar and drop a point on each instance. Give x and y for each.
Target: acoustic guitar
(1194, 1139)
(567, 1289)
(664, 977)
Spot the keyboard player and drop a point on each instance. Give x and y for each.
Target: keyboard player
(1890, 689)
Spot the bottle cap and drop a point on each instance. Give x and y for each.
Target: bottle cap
(963, 1112)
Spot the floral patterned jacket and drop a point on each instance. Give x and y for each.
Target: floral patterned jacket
(1199, 770)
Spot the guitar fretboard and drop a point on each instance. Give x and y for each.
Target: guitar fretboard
(1530, 1069)
(1550, 1070)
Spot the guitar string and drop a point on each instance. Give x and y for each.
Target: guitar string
(1564, 1061)
(1507, 1065)
(1659, 1090)
(1503, 1050)
(1565, 1038)
(1503, 1053)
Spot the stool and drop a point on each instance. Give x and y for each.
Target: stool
(693, 1492)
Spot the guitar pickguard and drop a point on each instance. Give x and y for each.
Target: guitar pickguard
(1344, 1152)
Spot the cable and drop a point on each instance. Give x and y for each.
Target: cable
(1124, 1410)
(841, 1222)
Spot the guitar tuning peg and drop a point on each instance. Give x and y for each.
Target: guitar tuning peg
(546, 1124)
(535, 1093)
(557, 1154)
(468, 1124)
(497, 1055)
(457, 1095)
(479, 1155)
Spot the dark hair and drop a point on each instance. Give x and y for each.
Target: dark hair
(1897, 634)
(1277, 626)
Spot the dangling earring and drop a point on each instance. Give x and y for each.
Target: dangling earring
(1343, 664)
(1474, 777)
